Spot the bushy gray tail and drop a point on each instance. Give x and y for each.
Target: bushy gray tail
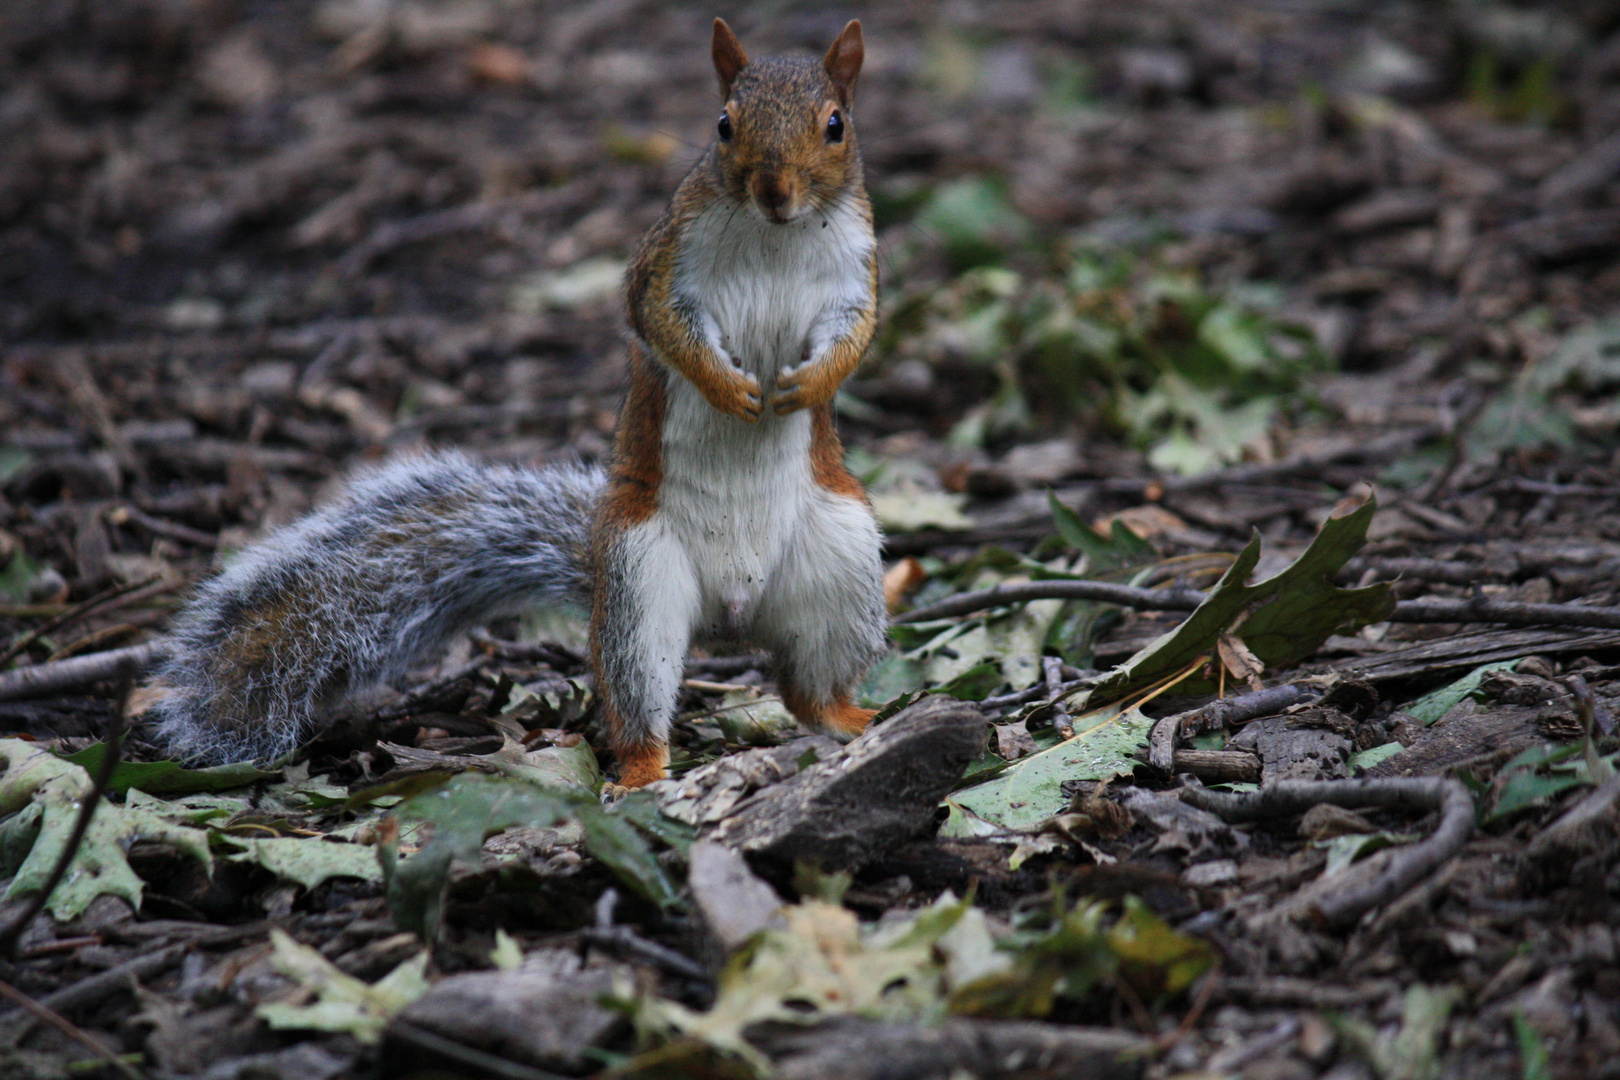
(415, 553)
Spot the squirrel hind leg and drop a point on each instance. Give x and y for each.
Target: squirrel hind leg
(646, 603)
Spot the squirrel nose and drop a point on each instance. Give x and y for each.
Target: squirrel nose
(775, 194)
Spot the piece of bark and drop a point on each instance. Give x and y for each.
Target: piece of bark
(873, 795)
(854, 1049)
(1430, 661)
(705, 796)
(732, 903)
(1218, 766)
(1467, 733)
(547, 1014)
(1220, 713)
(1199, 833)
(1292, 753)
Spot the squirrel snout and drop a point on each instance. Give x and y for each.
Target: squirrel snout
(776, 194)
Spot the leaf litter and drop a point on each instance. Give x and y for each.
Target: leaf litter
(1073, 300)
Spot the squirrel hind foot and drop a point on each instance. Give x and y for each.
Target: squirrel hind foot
(639, 765)
(838, 716)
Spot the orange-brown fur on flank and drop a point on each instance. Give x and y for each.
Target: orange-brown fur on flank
(827, 457)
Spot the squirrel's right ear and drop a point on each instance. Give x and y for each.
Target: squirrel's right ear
(729, 57)
(843, 62)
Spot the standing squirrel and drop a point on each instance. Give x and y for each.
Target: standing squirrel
(727, 514)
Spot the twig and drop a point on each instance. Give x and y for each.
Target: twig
(68, 1028)
(69, 615)
(87, 810)
(1038, 692)
(81, 670)
(88, 991)
(1024, 591)
(621, 940)
(1406, 866)
(1506, 613)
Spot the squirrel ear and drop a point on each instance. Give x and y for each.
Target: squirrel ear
(843, 61)
(729, 57)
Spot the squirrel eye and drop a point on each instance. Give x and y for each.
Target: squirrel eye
(835, 127)
(725, 127)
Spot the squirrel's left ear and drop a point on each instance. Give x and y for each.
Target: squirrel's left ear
(843, 61)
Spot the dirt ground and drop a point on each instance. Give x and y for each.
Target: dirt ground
(246, 246)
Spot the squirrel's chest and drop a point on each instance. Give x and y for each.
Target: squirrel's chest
(765, 286)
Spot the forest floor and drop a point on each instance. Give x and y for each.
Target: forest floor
(1167, 288)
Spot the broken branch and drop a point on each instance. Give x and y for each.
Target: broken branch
(1405, 867)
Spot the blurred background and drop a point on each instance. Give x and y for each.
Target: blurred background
(244, 244)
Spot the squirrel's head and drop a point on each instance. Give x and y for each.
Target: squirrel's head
(786, 140)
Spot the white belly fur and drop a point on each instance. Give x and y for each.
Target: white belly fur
(735, 494)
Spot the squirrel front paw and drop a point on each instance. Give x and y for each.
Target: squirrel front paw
(736, 393)
(802, 387)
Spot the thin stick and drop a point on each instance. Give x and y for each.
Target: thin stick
(77, 671)
(81, 608)
(68, 1028)
(1023, 591)
(1411, 611)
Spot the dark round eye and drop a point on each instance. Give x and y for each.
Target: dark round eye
(835, 127)
(725, 127)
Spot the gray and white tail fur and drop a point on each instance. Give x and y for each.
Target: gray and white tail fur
(414, 554)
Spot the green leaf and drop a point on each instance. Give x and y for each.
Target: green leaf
(1153, 958)
(975, 684)
(1121, 551)
(1029, 790)
(98, 867)
(17, 577)
(344, 1003)
(908, 511)
(1366, 759)
(306, 860)
(1435, 704)
(473, 807)
(975, 219)
(1284, 618)
(12, 462)
(625, 851)
(168, 777)
(1351, 847)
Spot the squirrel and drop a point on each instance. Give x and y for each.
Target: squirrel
(726, 515)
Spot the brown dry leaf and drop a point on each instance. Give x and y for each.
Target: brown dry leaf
(1146, 521)
(901, 580)
(1240, 660)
